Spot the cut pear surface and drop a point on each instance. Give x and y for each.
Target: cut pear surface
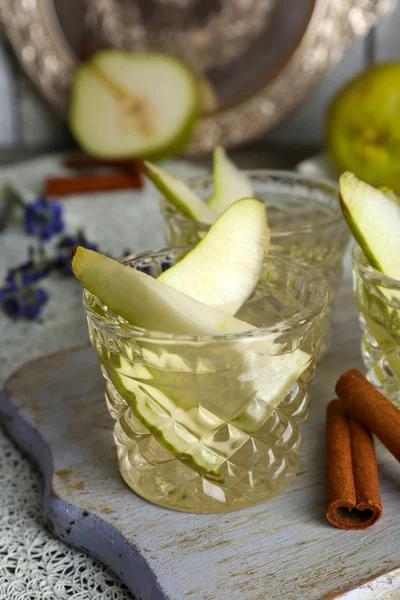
(130, 104)
(374, 220)
(147, 302)
(390, 193)
(180, 195)
(224, 267)
(230, 184)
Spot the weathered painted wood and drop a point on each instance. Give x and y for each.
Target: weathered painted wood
(283, 549)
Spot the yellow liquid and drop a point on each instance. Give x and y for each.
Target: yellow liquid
(212, 427)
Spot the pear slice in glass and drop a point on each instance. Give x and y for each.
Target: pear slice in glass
(223, 269)
(374, 220)
(230, 184)
(180, 195)
(146, 302)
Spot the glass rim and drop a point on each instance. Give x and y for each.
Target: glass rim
(365, 269)
(326, 185)
(315, 306)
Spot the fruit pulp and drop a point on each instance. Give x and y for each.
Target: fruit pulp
(196, 430)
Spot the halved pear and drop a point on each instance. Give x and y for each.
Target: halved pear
(374, 220)
(180, 195)
(130, 104)
(224, 267)
(230, 184)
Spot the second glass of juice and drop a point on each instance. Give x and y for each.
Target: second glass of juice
(304, 216)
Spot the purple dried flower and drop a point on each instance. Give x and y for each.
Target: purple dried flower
(25, 302)
(30, 271)
(43, 218)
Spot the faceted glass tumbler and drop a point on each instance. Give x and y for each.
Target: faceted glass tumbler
(304, 215)
(378, 301)
(210, 423)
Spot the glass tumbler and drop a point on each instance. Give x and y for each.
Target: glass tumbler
(304, 215)
(210, 423)
(378, 301)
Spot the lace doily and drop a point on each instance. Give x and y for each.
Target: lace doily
(34, 564)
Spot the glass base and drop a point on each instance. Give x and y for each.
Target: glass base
(261, 468)
(205, 505)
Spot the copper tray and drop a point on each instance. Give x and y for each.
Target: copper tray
(262, 57)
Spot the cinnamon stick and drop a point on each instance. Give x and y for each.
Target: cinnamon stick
(63, 186)
(84, 161)
(352, 489)
(376, 412)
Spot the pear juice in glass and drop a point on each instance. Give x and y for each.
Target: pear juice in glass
(303, 213)
(209, 423)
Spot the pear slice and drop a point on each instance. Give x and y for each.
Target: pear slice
(146, 302)
(173, 417)
(126, 104)
(373, 216)
(224, 267)
(230, 184)
(180, 195)
(374, 220)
